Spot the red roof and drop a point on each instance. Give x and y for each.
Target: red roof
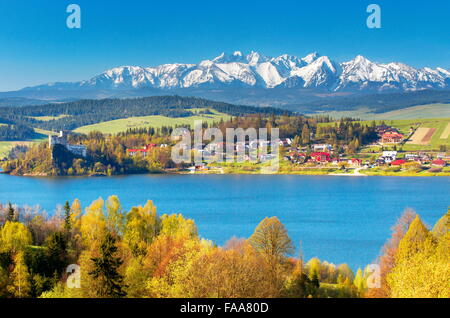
(439, 162)
(146, 148)
(293, 153)
(392, 135)
(315, 154)
(319, 155)
(398, 162)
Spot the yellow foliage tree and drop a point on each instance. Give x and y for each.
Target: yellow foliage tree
(20, 280)
(142, 226)
(421, 265)
(14, 237)
(175, 225)
(93, 224)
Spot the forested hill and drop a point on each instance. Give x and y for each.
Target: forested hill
(377, 103)
(86, 112)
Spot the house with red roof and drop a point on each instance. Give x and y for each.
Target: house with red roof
(398, 162)
(354, 162)
(391, 137)
(439, 162)
(143, 151)
(321, 156)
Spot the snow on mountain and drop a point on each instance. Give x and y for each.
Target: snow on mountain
(256, 70)
(321, 72)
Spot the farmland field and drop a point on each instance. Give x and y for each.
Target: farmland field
(439, 124)
(422, 136)
(155, 121)
(446, 133)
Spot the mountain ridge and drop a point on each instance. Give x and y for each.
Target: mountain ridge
(259, 71)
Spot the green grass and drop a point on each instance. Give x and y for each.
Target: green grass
(48, 118)
(6, 146)
(155, 121)
(414, 112)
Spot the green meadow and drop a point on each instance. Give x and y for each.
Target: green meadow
(155, 121)
(6, 146)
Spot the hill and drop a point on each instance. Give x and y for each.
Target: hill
(155, 121)
(72, 115)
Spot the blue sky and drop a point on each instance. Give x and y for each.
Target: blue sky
(36, 46)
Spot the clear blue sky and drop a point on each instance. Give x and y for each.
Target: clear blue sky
(36, 46)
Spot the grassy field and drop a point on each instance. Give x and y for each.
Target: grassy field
(6, 146)
(415, 112)
(119, 125)
(48, 118)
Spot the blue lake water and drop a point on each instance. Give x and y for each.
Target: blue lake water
(338, 219)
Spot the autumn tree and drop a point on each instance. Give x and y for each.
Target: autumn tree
(115, 216)
(20, 278)
(306, 135)
(142, 226)
(299, 285)
(14, 237)
(421, 264)
(387, 259)
(270, 238)
(93, 224)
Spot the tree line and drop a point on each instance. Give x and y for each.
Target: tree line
(140, 253)
(16, 132)
(92, 111)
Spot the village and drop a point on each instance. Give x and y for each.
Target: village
(386, 153)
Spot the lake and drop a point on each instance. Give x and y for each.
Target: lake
(338, 219)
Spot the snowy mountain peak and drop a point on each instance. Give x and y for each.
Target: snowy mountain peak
(311, 57)
(256, 70)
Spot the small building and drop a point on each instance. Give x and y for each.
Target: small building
(355, 162)
(398, 162)
(143, 151)
(439, 162)
(198, 167)
(285, 142)
(322, 147)
(297, 157)
(335, 160)
(321, 156)
(388, 156)
(411, 156)
(391, 138)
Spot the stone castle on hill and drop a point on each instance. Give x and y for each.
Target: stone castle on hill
(61, 139)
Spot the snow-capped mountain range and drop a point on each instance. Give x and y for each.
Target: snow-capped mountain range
(255, 70)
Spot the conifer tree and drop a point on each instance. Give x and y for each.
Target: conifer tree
(67, 218)
(10, 216)
(57, 252)
(306, 138)
(106, 269)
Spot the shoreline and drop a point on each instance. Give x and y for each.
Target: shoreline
(300, 173)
